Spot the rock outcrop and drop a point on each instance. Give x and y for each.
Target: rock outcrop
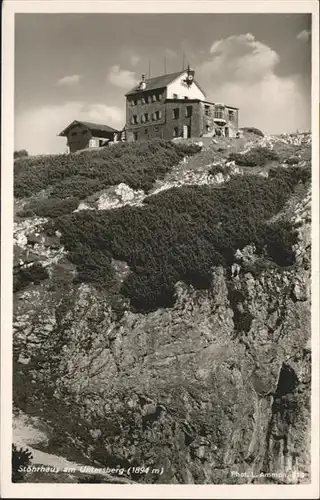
(213, 390)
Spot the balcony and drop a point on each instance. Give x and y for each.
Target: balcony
(219, 116)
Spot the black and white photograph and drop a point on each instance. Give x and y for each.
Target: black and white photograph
(158, 309)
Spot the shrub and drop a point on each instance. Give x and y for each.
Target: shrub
(136, 164)
(253, 130)
(180, 234)
(219, 169)
(20, 153)
(50, 207)
(256, 157)
(33, 274)
(19, 458)
(293, 160)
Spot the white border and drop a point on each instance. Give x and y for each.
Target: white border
(142, 491)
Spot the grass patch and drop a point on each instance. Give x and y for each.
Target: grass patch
(80, 175)
(180, 234)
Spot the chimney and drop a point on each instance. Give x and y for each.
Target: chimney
(143, 82)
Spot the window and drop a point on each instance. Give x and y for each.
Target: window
(175, 113)
(134, 120)
(73, 134)
(134, 102)
(230, 115)
(146, 116)
(156, 128)
(149, 99)
(188, 111)
(154, 98)
(159, 97)
(145, 130)
(101, 143)
(218, 113)
(206, 110)
(135, 136)
(186, 97)
(175, 96)
(207, 128)
(84, 132)
(175, 132)
(156, 115)
(143, 101)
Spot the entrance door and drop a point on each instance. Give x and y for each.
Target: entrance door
(226, 132)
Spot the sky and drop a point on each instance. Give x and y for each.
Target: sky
(79, 66)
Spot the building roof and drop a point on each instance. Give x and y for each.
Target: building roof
(97, 128)
(160, 82)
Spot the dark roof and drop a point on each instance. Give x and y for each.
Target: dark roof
(93, 127)
(159, 82)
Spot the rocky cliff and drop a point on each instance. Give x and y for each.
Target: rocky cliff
(215, 389)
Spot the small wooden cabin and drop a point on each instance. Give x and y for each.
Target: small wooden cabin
(83, 135)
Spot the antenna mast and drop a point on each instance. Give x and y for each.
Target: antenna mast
(149, 74)
(183, 60)
(165, 65)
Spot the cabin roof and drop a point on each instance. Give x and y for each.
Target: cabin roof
(98, 128)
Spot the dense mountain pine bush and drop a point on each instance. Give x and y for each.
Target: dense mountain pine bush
(80, 175)
(33, 274)
(256, 157)
(179, 234)
(252, 130)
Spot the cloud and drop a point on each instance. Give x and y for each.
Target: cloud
(134, 60)
(122, 78)
(171, 54)
(241, 72)
(304, 36)
(69, 81)
(36, 129)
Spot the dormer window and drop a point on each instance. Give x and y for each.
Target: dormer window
(143, 101)
(154, 98)
(175, 96)
(159, 97)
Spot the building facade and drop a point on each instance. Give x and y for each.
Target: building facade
(83, 135)
(174, 105)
